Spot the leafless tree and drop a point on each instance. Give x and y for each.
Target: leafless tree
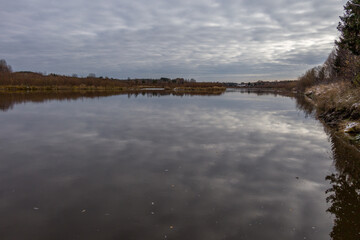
(4, 67)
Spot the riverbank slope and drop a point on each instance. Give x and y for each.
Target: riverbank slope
(338, 105)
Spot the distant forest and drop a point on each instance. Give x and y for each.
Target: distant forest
(31, 80)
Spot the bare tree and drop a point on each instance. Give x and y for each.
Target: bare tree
(4, 67)
(329, 65)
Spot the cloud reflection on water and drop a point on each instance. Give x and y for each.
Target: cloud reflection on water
(213, 167)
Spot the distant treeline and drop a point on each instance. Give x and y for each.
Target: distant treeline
(284, 84)
(32, 80)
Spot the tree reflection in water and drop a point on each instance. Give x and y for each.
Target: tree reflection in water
(345, 191)
(345, 205)
(8, 100)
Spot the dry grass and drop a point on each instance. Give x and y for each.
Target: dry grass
(38, 81)
(338, 104)
(338, 96)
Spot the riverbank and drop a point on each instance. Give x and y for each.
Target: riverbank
(338, 106)
(30, 81)
(55, 88)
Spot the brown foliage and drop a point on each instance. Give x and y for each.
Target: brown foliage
(341, 65)
(307, 80)
(54, 81)
(4, 67)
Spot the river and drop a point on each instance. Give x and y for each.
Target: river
(239, 165)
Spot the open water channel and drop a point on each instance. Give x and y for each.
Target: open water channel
(240, 165)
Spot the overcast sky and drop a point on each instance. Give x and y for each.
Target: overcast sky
(215, 40)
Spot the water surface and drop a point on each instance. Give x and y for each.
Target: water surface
(235, 166)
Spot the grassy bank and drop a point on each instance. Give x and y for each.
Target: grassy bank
(338, 105)
(24, 88)
(28, 81)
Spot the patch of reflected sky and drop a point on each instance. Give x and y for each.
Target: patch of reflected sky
(235, 166)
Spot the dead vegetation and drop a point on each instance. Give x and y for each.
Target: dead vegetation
(30, 81)
(338, 104)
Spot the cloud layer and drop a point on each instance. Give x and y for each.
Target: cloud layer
(205, 39)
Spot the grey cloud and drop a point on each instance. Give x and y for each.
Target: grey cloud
(175, 38)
